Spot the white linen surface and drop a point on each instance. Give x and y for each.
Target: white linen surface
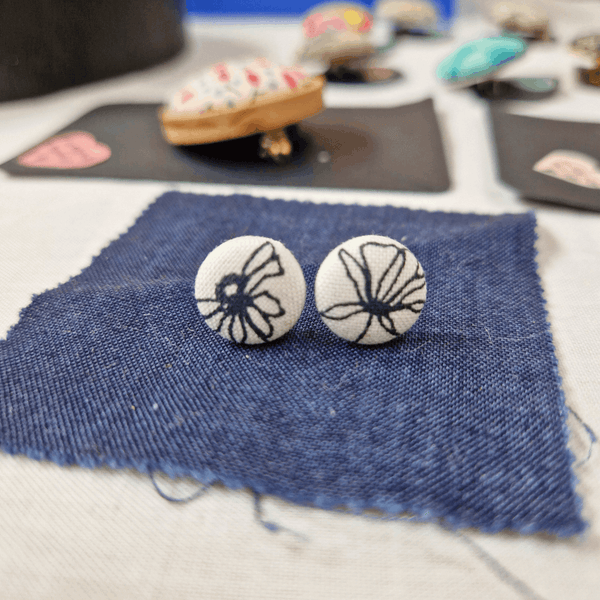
(72, 533)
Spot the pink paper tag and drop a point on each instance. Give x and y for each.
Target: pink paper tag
(574, 167)
(73, 150)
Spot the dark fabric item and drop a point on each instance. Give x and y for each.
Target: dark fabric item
(53, 44)
(522, 141)
(374, 149)
(462, 418)
(528, 89)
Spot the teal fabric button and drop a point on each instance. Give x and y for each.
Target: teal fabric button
(477, 59)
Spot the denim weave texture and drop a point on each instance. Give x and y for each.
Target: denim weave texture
(462, 418)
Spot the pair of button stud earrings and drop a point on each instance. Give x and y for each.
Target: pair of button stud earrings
(368, 290)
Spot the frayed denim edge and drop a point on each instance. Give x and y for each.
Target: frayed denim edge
(564, 412)
(208, 477)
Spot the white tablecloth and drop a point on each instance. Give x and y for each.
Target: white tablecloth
(72, 533)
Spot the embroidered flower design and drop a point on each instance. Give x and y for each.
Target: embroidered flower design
(186, 95)
(313, 25)
(222, 72)
(367, 23)
(317, 24)
(252, 77)
(228, 85)
(381, 288)
(239, 306)
(289, 79)
(293, 76)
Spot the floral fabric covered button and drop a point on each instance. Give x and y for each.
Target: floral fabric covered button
(230, 101)
(529, 20)
(227, 85)
(337, 32)
(408, 14)
(250, 290)
(370, 289)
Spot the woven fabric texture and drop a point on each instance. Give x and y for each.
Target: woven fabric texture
(462, 418)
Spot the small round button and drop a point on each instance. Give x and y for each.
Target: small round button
(370, 289)
(250, 290)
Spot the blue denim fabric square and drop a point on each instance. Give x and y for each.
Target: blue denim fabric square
(462, 418)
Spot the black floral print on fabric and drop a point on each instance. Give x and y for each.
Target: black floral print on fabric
(382, 298)
(240, 304)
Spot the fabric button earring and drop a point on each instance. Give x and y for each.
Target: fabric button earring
(370, 289)
(250, 290)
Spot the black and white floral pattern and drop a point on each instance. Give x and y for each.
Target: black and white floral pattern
(243, 304)
(379, 290)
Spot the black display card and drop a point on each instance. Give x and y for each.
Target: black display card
(522, 142)
(368, 148)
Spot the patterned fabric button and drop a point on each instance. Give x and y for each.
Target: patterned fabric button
(226, 86)
(250, 290)
(235, 100)
(337, 31)
(408, 14)
(519, 16)
(370, 289)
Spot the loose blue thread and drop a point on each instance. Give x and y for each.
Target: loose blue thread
(497, 568)
(494, 565)
(591, 435)
(114, 350)
(199, 492)
(269, 525)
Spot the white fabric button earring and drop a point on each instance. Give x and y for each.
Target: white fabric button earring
(370, 289)
(250, 289)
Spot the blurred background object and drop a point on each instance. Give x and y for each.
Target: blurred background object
(408, 16)
(479, 60)
(337, 41)
(337, 33)
(476, 64)
(589, 47)
(47, 45)
(445, 8)
(230, 101)
(524, 18)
